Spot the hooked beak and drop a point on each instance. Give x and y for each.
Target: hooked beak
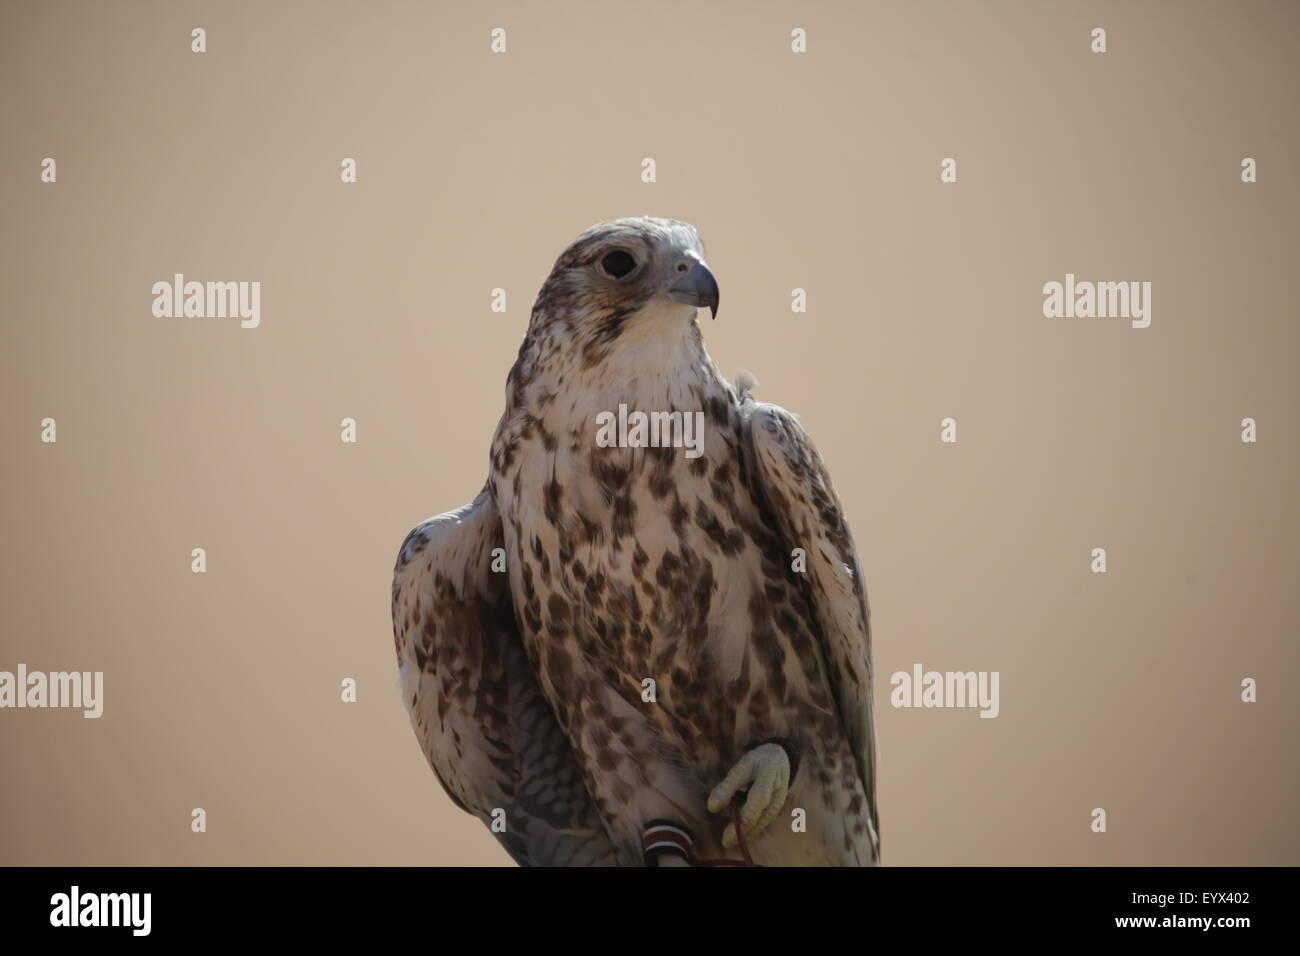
(696, 287)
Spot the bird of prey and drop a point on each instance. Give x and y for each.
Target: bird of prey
(620, 650)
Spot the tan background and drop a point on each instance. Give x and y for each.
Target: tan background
(821, 171)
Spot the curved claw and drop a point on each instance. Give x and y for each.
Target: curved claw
(765, 770)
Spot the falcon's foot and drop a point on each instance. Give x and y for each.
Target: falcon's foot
(765, 770)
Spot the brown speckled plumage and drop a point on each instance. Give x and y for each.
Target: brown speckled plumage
(627, 564)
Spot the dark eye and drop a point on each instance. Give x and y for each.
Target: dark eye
(618, 263)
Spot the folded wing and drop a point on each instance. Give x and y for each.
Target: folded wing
(474, 700)
(802, 502)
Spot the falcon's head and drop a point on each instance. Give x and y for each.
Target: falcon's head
(615, 270)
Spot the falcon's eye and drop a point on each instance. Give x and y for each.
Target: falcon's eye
(618, 263)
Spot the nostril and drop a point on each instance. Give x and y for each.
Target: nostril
(683, 267)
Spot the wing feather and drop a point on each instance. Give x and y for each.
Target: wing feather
(475, 704)
(802, 500)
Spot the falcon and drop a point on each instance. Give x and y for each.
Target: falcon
(622, 654)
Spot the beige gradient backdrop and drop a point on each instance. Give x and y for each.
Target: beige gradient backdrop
(819, 171)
